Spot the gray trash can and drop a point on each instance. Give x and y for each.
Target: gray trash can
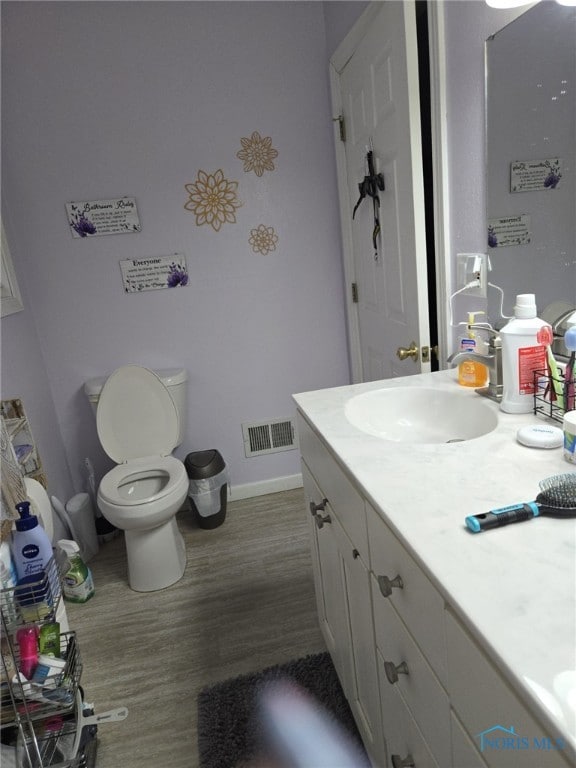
(208, 490)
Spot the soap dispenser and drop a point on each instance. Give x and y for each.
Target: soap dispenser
(470, 372)
(31, 546)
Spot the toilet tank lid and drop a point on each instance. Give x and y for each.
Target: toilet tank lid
(170, 377)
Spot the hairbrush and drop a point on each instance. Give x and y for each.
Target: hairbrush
(557, 498)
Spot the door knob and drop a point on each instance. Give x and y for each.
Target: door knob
(318, 507)
(412, 351)
(387, 585)
(393, 670)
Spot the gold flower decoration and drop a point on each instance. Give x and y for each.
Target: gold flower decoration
(257, 154)
(213, 199)
(263, 239)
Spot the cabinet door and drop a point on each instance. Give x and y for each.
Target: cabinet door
(364, 695)
(328, 584)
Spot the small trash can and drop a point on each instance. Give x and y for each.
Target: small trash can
(208, 490)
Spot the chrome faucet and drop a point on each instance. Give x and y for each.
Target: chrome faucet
(492, 360)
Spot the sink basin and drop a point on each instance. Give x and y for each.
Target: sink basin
(418, 415)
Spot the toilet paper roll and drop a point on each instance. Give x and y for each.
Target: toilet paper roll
(83, 523)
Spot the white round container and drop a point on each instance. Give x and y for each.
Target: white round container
(569, 428)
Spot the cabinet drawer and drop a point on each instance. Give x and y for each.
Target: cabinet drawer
(403, 737)
(420, 688)
(417, 602)
(498, 723)
(344, 499)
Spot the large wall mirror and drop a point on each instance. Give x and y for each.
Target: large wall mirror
(531, 147)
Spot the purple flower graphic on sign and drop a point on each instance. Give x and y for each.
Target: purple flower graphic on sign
(80, 224)
(178, 276)
(551, 181)
(492, 239)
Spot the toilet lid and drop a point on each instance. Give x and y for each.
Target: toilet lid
(136, 415)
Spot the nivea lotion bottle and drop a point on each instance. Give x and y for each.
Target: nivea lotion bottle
(31, 546)
(523, 352)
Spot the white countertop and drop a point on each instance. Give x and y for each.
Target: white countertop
(514, 587)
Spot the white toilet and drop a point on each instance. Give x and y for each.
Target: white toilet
(139, 417)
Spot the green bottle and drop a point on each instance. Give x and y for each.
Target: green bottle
(78, 586)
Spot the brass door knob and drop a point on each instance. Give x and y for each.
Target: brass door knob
(412, 351)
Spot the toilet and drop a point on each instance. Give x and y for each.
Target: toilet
(139, 417)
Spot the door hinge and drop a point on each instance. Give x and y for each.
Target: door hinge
(355, 293)
(341, 126)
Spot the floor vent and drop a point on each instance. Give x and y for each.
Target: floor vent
(269, 437)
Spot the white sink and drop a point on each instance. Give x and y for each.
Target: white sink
(418, 415)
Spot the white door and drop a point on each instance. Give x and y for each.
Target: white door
(375, 89)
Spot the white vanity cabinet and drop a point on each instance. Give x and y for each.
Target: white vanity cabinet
(342, 582)
(421, 688)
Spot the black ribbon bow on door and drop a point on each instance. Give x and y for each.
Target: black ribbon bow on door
(369, 187)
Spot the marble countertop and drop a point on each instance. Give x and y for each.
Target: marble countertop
(514, 587)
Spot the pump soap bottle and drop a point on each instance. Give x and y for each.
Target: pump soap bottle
(470, 372)
(523, 352)
(31, 546)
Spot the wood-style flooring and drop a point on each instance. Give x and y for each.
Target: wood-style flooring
(245, 602)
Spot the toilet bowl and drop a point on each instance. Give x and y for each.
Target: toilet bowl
(138, 426)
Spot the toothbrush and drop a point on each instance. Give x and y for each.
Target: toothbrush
(553, 368)
(570, 342)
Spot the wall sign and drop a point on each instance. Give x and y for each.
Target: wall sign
(103, 217)
(154, 274)
(509, 230)
(530, 175)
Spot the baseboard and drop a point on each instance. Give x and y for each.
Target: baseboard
(261, 488)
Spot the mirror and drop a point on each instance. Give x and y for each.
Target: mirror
(530, 147)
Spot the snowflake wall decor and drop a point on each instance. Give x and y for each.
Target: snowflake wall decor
(263, 239)
(257, 154)
(213, 199)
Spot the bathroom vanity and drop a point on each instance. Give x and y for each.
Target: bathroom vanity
(454, 649)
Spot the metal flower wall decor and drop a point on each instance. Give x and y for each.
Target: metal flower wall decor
(213, 199)
(263, 239)
(257, 154)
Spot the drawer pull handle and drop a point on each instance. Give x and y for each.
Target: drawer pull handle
(392, 670)
(355, 553)
(387, 585)
(403, 762)
(318, 507)
(321, 520)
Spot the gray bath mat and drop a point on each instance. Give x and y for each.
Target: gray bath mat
(228, 731)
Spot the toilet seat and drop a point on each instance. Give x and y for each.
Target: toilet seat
(136, 416)
(110, 484)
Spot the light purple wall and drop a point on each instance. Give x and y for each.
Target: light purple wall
(339, 18)
(109, 99)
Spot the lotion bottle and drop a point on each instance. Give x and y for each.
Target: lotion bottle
(523, 353)
(31, 545)
(472, 373)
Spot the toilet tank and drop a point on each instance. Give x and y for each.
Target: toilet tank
(174, 379)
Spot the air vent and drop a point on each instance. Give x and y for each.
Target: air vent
(269, 437)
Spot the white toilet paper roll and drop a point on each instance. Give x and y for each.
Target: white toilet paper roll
(81, 514)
